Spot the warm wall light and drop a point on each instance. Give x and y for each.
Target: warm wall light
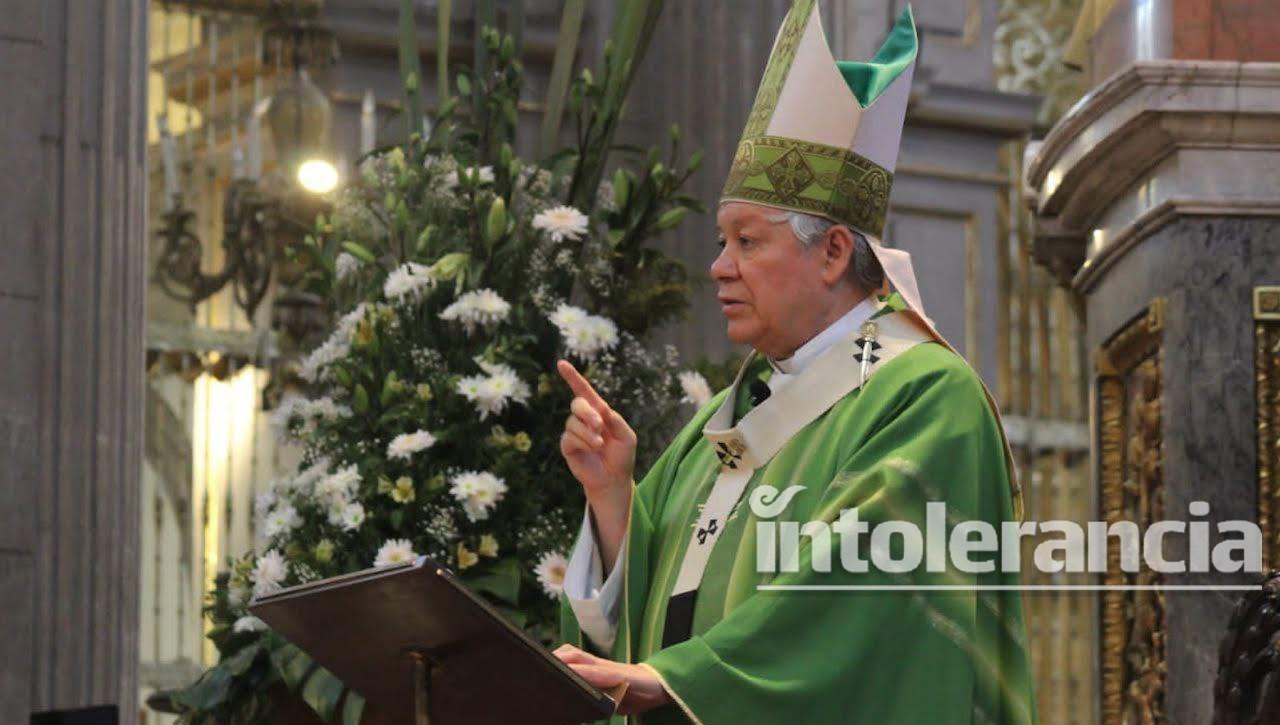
(318, 176)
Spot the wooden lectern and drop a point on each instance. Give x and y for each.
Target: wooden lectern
(422, 648)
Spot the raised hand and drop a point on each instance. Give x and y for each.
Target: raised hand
(600, 449)
(597, 443)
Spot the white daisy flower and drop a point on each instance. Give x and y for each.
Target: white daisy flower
(561, 223)
(264, 502)
(492, 393)
(324, 409)
(281, 521)
(695, 387)
(584, 335)
(567, 316)
(408, 282)
(284, 413)
(478, 492)
(335, 348)
(307, 477)
(269, 573)
(347, 515)
(249, 623)
(480, 307)
(405, 445)
(345, 265)
(339, 487)
(394, 551)
(551, 570)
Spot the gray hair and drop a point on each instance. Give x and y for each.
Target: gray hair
(864, 269)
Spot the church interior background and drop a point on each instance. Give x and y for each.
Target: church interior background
(1075, 363)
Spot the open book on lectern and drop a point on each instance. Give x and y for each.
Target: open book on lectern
(420, 646)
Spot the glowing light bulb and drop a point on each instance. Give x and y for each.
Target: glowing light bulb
(318, 176)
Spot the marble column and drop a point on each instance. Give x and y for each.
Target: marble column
(1156, 199)
(72, 250)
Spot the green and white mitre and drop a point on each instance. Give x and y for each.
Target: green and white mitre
(823, 135)
(823, 139)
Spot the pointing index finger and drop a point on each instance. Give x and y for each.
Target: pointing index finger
(579, 384)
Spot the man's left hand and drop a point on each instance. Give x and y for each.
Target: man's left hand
(644, 690)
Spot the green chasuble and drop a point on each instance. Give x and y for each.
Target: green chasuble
(919, 429)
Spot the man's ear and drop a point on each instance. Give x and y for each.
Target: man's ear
(837, 250)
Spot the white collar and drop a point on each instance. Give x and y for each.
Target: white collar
(816, 345)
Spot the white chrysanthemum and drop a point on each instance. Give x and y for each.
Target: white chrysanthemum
(492, 393)
(290, 406)
(561, 223)
(269, 573)
(308, 477)
(394, 551)
(405, 445)
(478, 492)
(323, 408)
(567, 316)
(408, 281)
(345, 266)
(551, 570)
(264, 502)
(584, 335)
(695, 387)
(339, 487)
(249, 623)
(347, 515)
(281, 520)
(335, 348)
(480, 307)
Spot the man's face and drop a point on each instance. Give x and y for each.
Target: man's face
(769, 286)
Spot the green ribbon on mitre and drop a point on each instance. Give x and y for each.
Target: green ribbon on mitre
(823, 135)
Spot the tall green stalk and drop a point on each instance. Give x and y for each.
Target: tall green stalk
(410, 69)
(632, 33)
(444, 24)
(561, 73)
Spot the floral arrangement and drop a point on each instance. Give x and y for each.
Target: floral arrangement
(430, 417)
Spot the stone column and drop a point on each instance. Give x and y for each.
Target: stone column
(1156, 200)
(72, 253)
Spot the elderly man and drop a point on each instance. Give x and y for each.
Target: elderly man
(850, 401)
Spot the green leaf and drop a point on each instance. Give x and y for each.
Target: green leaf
(464, 85)
(352, 709)
(361, 399)
(322, 692)
(397, 519)
(500, 578)
(359, 252)
(672, 218)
